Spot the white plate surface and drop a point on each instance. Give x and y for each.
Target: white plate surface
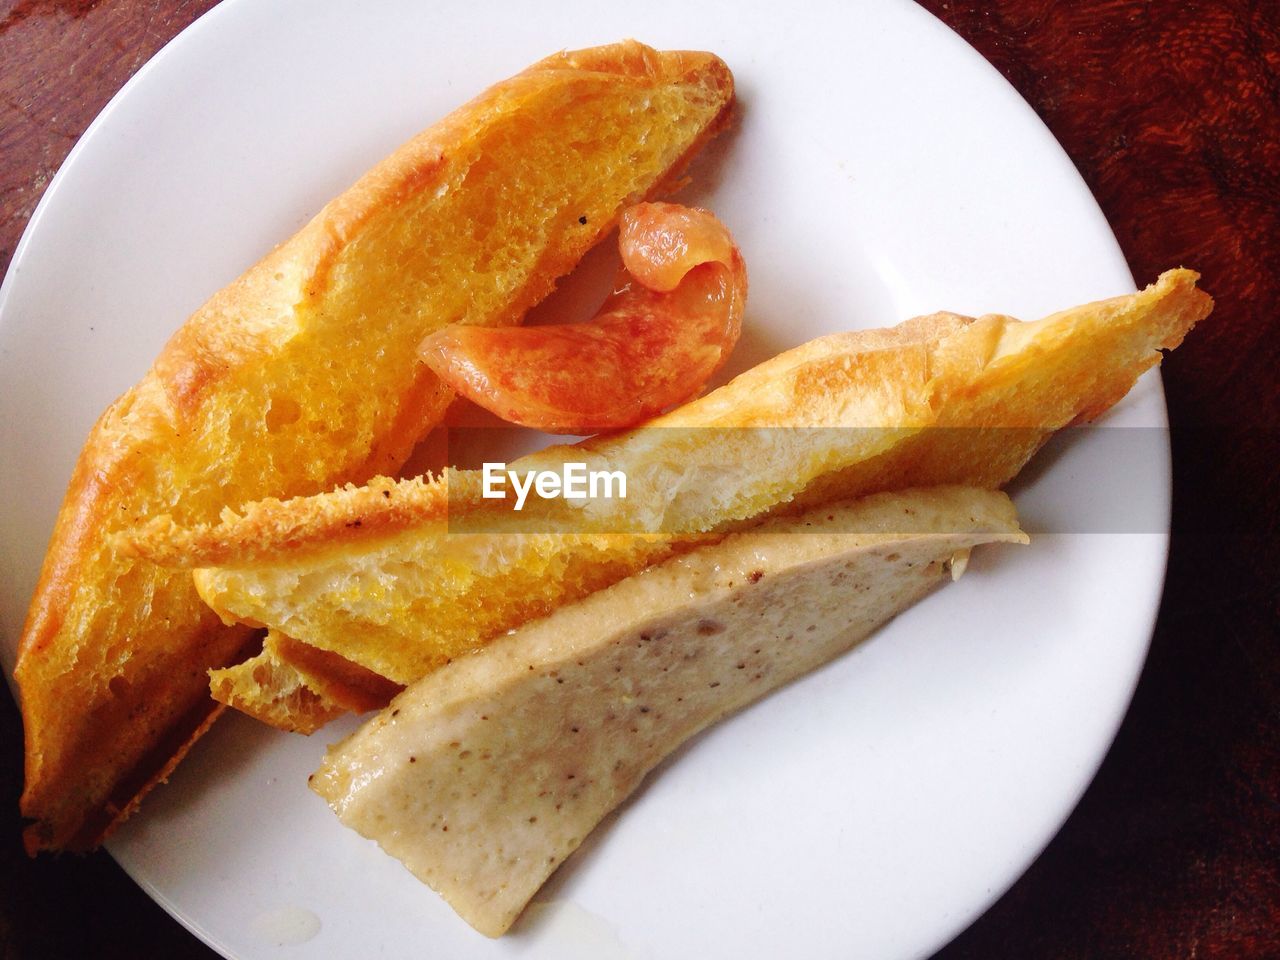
(881, 169)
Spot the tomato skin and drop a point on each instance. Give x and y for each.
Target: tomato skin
(661, 242)
(673, 319)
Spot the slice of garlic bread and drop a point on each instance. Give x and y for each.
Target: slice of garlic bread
(302, 374)
(387, 576)
(484, 776)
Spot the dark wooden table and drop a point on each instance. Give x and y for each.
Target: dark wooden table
(1172, 113)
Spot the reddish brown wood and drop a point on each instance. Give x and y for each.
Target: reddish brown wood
(60, 62)
(1172, 113)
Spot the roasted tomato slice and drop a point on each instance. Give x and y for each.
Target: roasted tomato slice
(671, 322)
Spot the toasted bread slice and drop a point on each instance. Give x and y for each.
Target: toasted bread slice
(375, 574)
(484, 776)
(302, 374)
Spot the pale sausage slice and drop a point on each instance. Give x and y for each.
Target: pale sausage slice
(485, 775)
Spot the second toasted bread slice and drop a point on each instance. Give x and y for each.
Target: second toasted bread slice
(381, 574)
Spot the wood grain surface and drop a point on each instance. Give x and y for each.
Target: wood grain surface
(1171, 111)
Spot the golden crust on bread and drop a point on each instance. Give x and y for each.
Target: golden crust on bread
(938, 400)
(302, 374)
(348, 686)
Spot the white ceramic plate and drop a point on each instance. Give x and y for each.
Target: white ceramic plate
(881, 169)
